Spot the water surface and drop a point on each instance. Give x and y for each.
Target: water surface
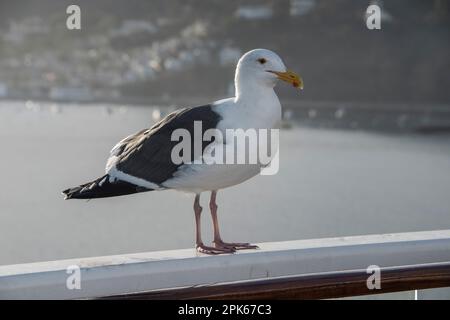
(330, 183)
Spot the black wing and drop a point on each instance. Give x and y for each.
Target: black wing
(147, 154)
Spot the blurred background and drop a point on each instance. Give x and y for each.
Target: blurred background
(142, 52)
(365, 147)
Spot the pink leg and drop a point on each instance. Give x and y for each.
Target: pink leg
(198, 237)
(218, 242)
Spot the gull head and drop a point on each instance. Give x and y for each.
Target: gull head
(263, 67)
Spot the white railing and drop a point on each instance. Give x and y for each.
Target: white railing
(165, 270)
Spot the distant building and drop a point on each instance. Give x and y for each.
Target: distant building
(254, 12)
(173, 64)
(19, 30)
(130, 27)
(301, 7)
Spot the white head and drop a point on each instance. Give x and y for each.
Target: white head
(262, 68)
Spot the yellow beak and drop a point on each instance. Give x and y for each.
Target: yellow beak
(290, 77)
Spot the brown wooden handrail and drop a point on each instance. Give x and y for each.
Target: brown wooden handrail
(312, 286)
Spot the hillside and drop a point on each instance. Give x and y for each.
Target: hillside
(189, 48)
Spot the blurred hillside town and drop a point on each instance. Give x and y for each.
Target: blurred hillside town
(136, 50)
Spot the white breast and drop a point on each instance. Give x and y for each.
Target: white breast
(262, 112)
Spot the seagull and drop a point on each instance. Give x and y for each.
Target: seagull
(144, 161)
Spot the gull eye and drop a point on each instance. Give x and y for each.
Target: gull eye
(262, 60)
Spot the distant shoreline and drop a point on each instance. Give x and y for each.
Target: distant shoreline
(192, 101)
(371, 116)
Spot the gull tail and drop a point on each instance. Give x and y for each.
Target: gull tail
(102, 188)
